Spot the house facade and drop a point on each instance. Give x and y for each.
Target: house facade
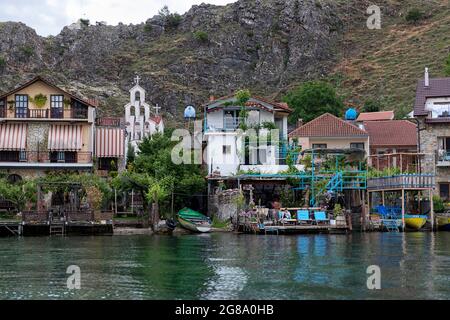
(393, 143)
(43, 127)
(228, 149)
(432, 109)
(330, 132)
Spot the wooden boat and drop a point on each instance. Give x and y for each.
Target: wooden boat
(443, 222)
(194, 221)
(415, 222)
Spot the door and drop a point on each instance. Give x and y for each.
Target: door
(57, 106)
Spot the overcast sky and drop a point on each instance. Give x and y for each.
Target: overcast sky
(48, 17)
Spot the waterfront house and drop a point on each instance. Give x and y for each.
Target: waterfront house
(43, 127)
(109, 145)
(330, 132)
(224, 156)
(432, 110)
(393, 143)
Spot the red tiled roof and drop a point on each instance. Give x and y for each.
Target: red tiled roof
(328, 125)
(439, 87)
(391, 133)
(156, 120)
(376, 116)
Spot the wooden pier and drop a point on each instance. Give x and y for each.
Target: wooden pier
(258, 228)
(71, 223)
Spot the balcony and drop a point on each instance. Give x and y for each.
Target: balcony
(402, 181)
(72, 113)
(37, 159)
(443, 158)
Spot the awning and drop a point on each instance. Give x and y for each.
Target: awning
(65, 138)
(110, 143)
(13, 136)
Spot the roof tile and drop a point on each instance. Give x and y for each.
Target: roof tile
(328, 125)
(391, 133)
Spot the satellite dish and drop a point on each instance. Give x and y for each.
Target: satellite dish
(189, 112)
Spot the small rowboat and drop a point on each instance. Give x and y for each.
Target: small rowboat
(443, 223)
(194, 221)
(415, 222)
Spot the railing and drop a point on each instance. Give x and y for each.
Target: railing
(70, 216)
(45, 157)
(109, 122)
(37, 113)
(443, 157)
(403, 181)
(53, 113)
(35, 216)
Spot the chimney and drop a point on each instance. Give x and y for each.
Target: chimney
(212, 98)
(299, 123)
(427, 78)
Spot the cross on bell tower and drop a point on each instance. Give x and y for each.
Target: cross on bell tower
(157, 107)
(136, 80)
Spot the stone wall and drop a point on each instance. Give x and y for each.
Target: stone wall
(429, 145)
(223, 204)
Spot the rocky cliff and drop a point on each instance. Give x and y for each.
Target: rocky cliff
(264, 45)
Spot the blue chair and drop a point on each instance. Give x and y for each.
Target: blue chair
(320, 216)
(303, 216)
(382, 210)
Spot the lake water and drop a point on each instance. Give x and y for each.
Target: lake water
(227, 266)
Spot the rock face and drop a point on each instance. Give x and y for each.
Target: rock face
(263, 45)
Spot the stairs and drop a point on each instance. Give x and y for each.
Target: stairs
(57, 228)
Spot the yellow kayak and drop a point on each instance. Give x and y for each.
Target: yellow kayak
(443, 223)
(415, 222)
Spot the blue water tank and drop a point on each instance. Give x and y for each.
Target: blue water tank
(351, 114)
(189, 112)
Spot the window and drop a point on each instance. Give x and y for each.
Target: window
(57, 106)
(319, 146)
(231, 119)
(226, 149)
(2, 108)
(21, 105)
(357, 145)
(444, 191)
(63, 156)
(79, 110)
(22, 156)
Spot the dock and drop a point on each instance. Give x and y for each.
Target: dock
(44, 224)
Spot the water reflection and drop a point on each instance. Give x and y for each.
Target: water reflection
(228, 266)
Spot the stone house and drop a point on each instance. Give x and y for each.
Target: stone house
(432, 110)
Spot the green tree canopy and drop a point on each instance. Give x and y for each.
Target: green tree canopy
(371, 106)
(447, 67)
(313, 99)
(154, 172)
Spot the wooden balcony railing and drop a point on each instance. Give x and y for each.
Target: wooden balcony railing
(56, 113)
(403, 181)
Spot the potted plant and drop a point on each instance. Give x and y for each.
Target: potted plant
(339, 214)
(39, 100)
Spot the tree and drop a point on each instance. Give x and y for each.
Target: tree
(130, 154)
(313, 99)
(371, 106)
(447, 66)
(171, 20)
(414, 16)
(19, 194)
(201, 36)
(155, 176)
